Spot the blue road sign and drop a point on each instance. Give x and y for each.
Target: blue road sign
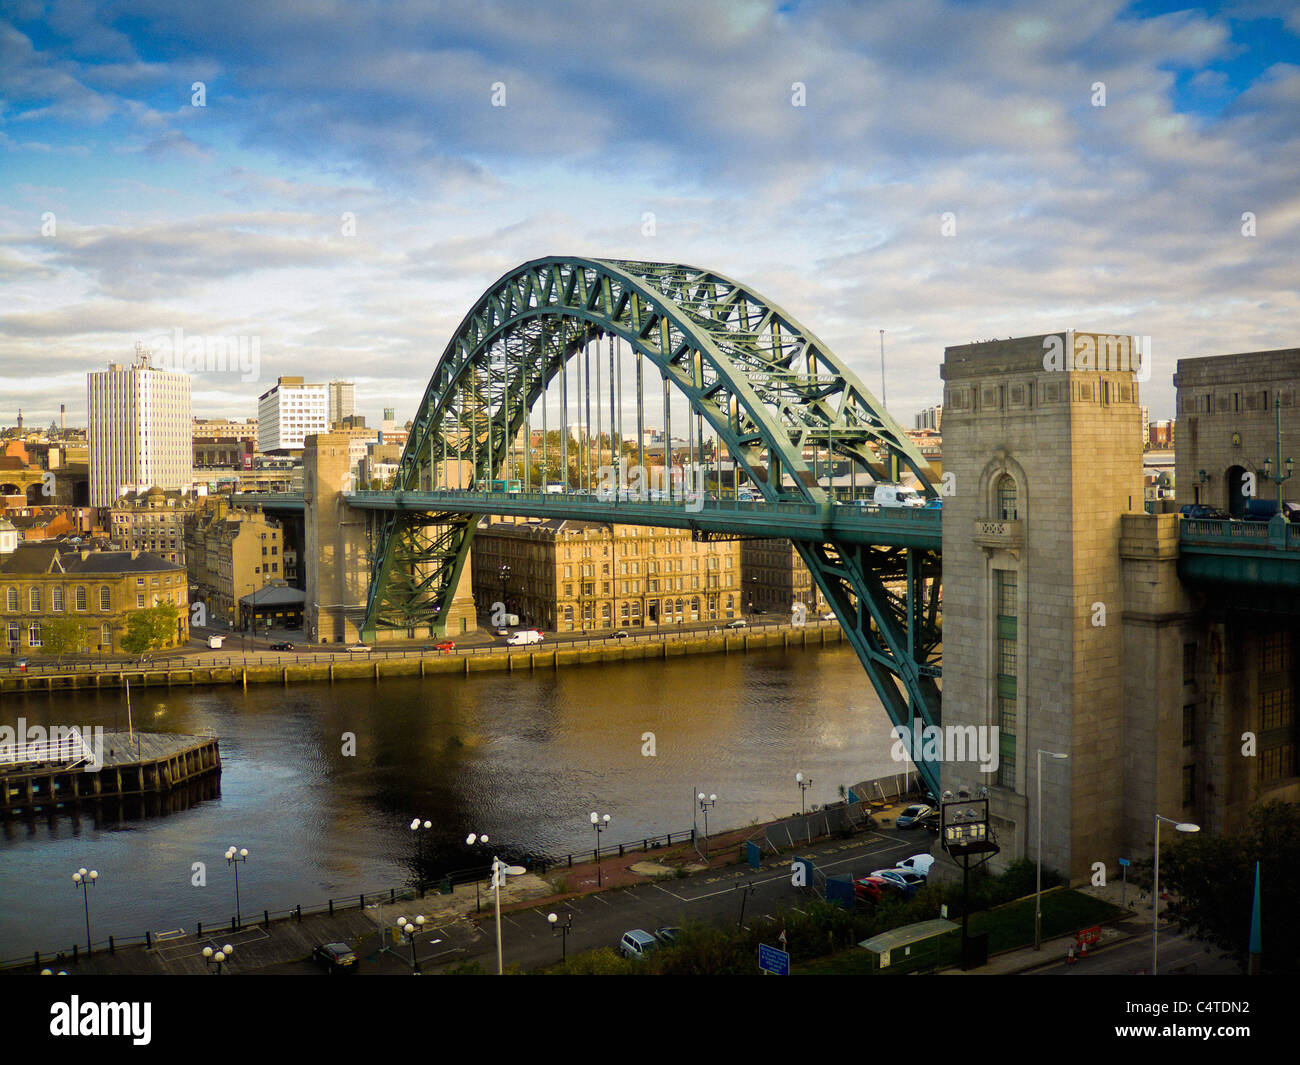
(753, 854)
(771, 960)
(1124, 862)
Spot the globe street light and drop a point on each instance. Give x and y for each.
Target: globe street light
(712, 800)
(409, 929)
(84, 881)
(233, 859)
(416, 826)
(561, 930)
(1182, 826)
(218, 956)
(1038, 882)
(804, 785)
(599, 824)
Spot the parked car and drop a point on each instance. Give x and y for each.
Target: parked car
(667, 935)
(358, 648)
(737, 624)
(913, 814)
(283, 645)
(918, 864)
(637, 943)
(930, 822)
(336, 957)
(446, 646)
(875, 888)
(1201, 510)
(215, 642)
(909, 883)
(620, 635)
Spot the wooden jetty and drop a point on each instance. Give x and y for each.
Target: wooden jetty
(136, 764)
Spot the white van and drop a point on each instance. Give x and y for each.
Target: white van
(215, 641)
(524, 637)
(893, 495)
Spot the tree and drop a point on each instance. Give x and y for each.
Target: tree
(63, 635)
(149, 629)
(1213, 879)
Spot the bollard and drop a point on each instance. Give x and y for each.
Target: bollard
(362, 902)
(620, 850)
(300, 913)
(112, 947)
(148, 940)
(266, 918)
(392, 894)
(232, 925)
(38, 959)
(74, 952)
(199, 933)
(331, 907)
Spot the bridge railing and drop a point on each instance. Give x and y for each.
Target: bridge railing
(1244, 533)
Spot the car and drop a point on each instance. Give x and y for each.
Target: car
(918, 864)
(1201, 510)
(828, 616)
(930, 822)
(738, 624)
(913, 814)
(358, 648)
(667, 935)
(637, 943)
(875, 888)
(503, 632)
(757, 610)
(909, 883)
(336, 957)
(934, 504)
(283, 645)
(446, 646)
(620, 635)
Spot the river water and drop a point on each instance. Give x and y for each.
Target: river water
(524, 758)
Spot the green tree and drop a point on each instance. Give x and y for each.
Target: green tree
(149, 629)
(1213, 879)
(63, 635)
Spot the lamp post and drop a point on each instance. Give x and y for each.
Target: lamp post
(599, 824)
(84, 881)
(561, 930)
(712, 800)
(218, 956)
(499, 873)
(1277, 478)
(233, 858)
(409, 929)
(505, 587)
(416, 826)
(804, 785)
(1038, 878)
(1182, 826)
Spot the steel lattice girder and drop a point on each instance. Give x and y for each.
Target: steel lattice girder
(765, 384)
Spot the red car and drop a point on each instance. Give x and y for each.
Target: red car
(874, 888)
(446, 646)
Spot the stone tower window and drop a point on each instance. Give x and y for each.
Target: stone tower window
(1007, 507)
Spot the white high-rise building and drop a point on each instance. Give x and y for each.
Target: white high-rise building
(289, 413)
(139, 435)
(342, 401)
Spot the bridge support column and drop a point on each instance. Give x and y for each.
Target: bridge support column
(335, 544)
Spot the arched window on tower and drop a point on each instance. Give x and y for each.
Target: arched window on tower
(1007, 502)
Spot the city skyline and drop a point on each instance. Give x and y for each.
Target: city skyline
(342, 199)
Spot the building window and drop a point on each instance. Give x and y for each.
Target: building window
(81, 597)
(105, 601)
(1274, 653)
(56, 599)
(1189, 785)
(106, 635)
(11, 600)
(1189, 663)
(1006, 498)
(33, 635)
(34, 599)
(1274, 709)
(1189, 726)
(139, 601)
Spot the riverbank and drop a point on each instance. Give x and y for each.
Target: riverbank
(379, 665)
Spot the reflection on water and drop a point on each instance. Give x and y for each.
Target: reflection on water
(321, 782)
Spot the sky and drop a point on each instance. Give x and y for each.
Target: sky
(340, 181)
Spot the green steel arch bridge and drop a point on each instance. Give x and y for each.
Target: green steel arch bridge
(598, 350)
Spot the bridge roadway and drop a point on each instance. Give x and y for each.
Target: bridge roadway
(880, 526)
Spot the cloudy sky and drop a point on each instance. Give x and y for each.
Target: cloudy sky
(127, 212)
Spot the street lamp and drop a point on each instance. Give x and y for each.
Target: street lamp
(409, 929)
(1182, 826)
(218, 956)
(599, 824)
(499, 873)
(84, 881)
(233, 858)
(561, 930)
(712, 800)
(1038, 881)
(804, 785)
(416, 825)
